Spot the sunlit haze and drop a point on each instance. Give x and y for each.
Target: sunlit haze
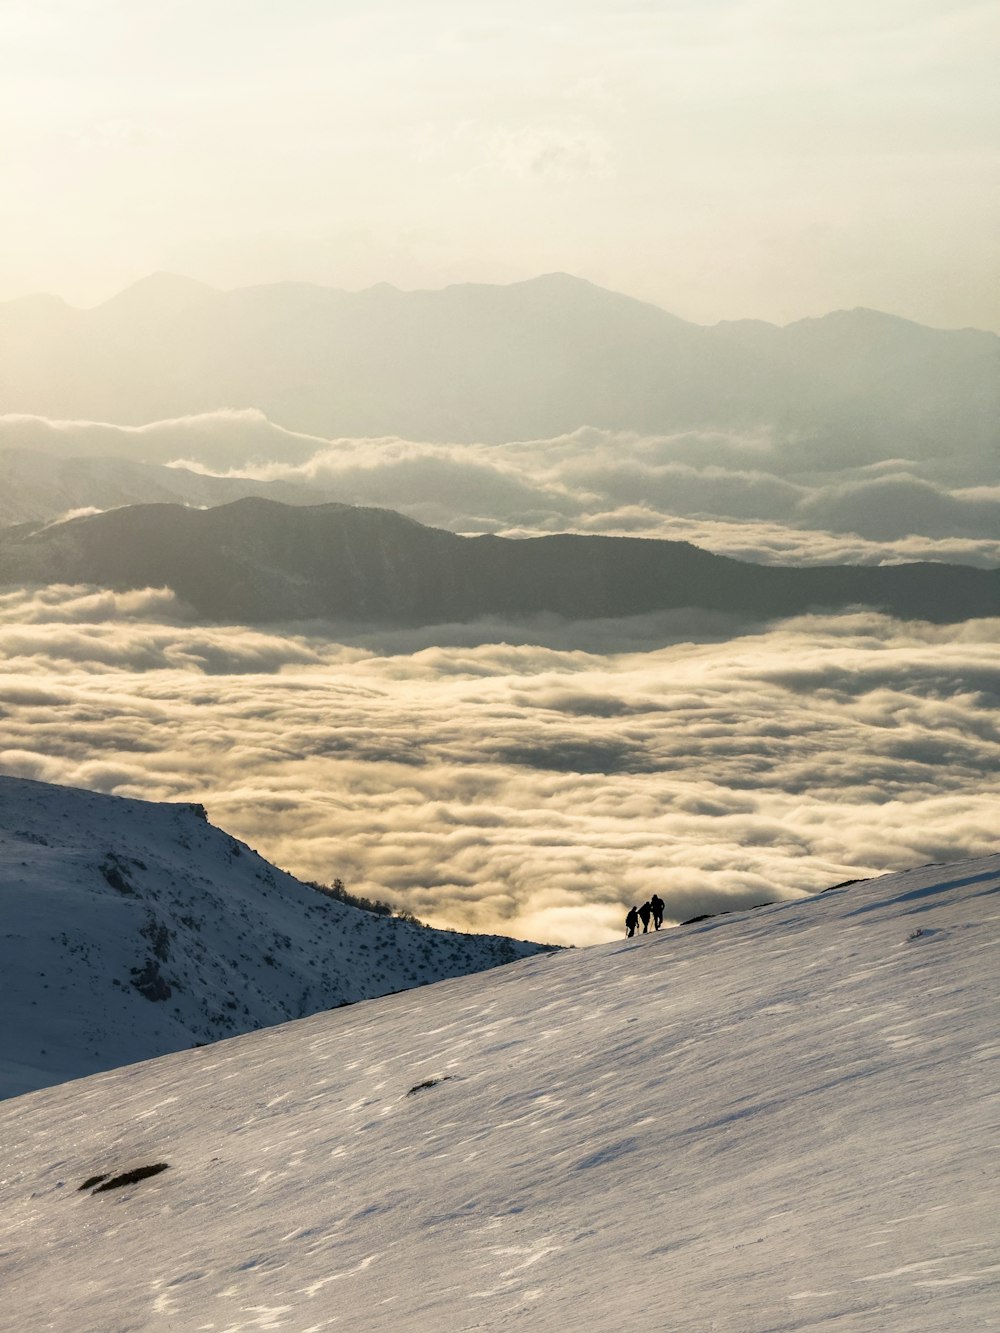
(722, 159)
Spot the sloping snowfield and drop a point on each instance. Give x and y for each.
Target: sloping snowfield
(779, 1120)
(134, 928)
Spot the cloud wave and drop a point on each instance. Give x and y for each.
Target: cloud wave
(756, 495)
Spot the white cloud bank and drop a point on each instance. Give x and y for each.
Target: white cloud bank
(756, 496)
(534, 790)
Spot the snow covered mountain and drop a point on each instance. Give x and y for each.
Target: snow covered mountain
(132, 928)
(780, 1119)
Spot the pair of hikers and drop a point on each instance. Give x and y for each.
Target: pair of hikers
(653, 908)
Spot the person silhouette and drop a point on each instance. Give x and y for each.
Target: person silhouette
(645, 912)
(631, 922)
(657, 904)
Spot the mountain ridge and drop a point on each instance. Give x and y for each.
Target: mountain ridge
(135, 928)
(257, 560)
(479, 362)
(166, 282)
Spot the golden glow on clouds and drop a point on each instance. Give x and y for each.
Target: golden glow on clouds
(531, 789)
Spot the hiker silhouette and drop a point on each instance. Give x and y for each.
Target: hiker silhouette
(631, 922)
(657, 904)
(645, 912)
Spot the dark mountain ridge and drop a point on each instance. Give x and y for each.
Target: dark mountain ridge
(257, 560)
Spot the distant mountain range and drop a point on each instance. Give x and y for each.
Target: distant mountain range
(490, 363)
(134, 928)
(258, 560)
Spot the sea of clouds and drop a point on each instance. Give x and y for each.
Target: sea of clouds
(534, 780)
(537, 778)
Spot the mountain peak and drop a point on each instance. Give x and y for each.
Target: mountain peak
(865, 321)
(160, 293)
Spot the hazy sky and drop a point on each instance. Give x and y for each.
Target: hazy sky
(722, 158)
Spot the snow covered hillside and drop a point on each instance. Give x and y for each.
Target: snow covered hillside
(132, 928)
(780, 1119)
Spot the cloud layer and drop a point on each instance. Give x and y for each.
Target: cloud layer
(735, 494)
(756, 496)
(531, 788)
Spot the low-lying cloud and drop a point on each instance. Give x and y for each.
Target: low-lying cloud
(615, 483)
(756, 495)
(218, 438)
(535, 788)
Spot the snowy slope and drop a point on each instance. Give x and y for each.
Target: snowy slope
(130, 929)
(782, 1119)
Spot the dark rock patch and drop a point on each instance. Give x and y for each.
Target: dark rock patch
(91, 1181)
(27, 836)
(429, 1083)
(159, 938)
(150, 982)
(112, 871)
(129, 1177)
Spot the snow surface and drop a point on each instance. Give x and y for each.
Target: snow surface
(783, 1119)
(133, 928)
